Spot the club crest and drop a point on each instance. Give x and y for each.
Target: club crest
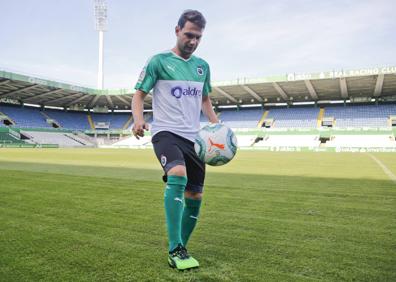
(200, 70)
(163, 160)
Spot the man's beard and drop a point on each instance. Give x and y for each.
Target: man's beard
(185, 50)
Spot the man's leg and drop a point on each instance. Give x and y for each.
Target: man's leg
(193, 194)
(174, 202)
(167, 147)
(190, 214)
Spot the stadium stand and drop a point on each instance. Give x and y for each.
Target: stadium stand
(373, 116)
(70, 120)
(6, 138)
(246, 140)
(61, 139)
(132, 142)
(299, 117)
(289, 141)
(115, 121)
(366, 141)
(244, 118)
(267, 110)
(25, 117)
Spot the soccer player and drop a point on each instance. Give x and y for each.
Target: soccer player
(181, 85)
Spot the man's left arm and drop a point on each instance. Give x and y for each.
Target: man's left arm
(208, 111)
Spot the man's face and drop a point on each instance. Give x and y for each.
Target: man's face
(188, 38)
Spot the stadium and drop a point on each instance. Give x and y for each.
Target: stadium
(328, 111)
(309, 196)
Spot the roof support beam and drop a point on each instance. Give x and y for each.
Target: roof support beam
(225, 94)
(344, 88)
(110, 101)
(311, 89)
(19, 90)
(5, 81)
(93, 100)
(281, 92)
(42, 95)
(128, 98)
(145, 102)
(378, 85)
(63, 98)
(75, 101)
(123, 100)
(251, 92)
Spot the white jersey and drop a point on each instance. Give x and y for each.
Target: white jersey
(179, 86)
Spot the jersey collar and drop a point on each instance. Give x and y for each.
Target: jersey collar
(181, 58)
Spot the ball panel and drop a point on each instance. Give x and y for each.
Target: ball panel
(218, 160)
(213, 127)
(216, 144)
(200, 148)
(232, 141)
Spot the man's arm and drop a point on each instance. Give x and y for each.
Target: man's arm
(137, 110)
(208, 111)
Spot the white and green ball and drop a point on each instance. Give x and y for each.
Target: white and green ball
(216, 144)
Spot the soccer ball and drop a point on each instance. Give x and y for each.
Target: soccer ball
(215, 144)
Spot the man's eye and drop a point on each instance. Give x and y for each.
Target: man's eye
(192, 36)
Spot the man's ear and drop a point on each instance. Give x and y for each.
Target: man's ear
(177, 30)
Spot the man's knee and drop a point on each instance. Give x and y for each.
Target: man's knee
(178, 170)
(193, 195)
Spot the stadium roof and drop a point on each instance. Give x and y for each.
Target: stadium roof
(353, 85)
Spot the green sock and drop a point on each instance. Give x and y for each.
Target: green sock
(174, 198)
(190, 218)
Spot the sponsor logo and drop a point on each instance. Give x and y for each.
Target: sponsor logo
(37, 81)
(178, 91)
(163, 160)
(170, 67)
(142, 75)
(193, 217)
(200, 70)
(178, 199)
(212, 144)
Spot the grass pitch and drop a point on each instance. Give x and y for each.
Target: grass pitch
(97, 215)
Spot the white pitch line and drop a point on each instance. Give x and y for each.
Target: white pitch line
(384, 168)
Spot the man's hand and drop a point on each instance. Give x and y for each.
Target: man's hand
(137, 110)
(138, 128)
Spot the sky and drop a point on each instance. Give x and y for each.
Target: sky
(57, 40)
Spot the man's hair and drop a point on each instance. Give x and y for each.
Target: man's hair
(193, 16)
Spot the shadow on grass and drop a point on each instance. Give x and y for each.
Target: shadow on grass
(238, 180)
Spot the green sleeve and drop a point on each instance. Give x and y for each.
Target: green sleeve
(207, 88)
(148, 77)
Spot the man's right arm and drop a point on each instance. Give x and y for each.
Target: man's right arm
(137, 110)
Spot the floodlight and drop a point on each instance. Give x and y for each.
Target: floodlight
(100, 11)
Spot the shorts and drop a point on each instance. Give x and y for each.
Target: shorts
(172, 150)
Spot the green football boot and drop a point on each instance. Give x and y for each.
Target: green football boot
(180, 259)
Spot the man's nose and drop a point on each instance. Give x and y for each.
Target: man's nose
(193, 41)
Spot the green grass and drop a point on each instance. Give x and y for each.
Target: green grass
(97, 215)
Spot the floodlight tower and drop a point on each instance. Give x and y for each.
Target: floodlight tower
(101, 22)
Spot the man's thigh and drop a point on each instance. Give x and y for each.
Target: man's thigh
(167, 150)
(195, 169)
(172, 150)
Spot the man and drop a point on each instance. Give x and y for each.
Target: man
(181, 83)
